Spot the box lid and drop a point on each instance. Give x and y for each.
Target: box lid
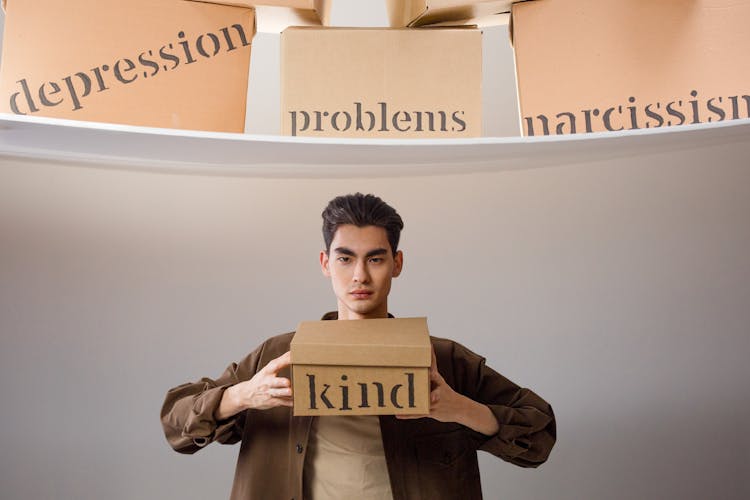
(369, 342)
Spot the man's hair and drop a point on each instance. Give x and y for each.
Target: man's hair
(361, 210)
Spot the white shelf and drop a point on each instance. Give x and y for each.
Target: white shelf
(188, 152)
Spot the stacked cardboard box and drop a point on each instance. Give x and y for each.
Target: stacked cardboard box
(608, 65)
(401, 82)
(360, 82)
(158, 63)
(581, 65)
(185, 64)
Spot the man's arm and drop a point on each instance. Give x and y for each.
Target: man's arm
(198, 413)
(265, 390)
(511, 422)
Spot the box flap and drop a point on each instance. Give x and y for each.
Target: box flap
(402, 12)
(371, 342)
(500, 19)
(273, 16)
(277, 19)
(419, 13)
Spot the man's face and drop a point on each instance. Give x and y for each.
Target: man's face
(361, 265)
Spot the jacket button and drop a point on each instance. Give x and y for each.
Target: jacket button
(300, 448)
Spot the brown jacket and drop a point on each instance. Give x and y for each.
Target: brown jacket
(427, 459)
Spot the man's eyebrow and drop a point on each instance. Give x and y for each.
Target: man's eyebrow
(377, 251)
(371, 253)
(345, 251)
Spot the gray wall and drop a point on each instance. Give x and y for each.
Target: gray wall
(619, 290)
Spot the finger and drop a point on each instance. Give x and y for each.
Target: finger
(284, 402)
(283, 392)
(434, 396)
(277, 364)
(280, 382)
(436, 380)
(411, 417)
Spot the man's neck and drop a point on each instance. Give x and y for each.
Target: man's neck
(346, 314)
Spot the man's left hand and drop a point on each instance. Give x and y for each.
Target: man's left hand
(446, 405)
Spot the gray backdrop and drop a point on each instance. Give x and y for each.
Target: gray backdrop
(618, 290)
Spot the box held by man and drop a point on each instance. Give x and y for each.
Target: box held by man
(365, 367)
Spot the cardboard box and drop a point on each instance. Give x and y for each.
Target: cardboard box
(599, 65)
(362, 367)
(415, 13)
(274, 16)
(158, 63)
(381, 82)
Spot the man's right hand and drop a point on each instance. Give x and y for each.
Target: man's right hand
(265, 390)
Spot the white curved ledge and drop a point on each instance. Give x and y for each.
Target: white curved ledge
(208, 153)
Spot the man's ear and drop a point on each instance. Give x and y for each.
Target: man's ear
(398, 263)
(324, 264)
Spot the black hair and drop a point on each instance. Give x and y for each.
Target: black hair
(361, 210)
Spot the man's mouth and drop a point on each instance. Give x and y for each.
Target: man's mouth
(361, 294)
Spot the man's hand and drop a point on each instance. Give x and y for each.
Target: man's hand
(446, 405)
(265, 390)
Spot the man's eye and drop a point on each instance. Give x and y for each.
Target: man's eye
(343, 259)
(376, 260)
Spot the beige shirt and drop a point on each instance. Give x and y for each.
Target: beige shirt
(345, 460)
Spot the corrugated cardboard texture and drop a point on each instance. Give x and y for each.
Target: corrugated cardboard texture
(371, 367)
(160, 63)
(372, 342)
(415, 13)
(597, 65)
(349, 82)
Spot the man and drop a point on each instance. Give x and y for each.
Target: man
(431, 457)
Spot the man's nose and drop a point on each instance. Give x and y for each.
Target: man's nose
(361, 274)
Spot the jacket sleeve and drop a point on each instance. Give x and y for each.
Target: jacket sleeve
(187, 414)
(527, 423)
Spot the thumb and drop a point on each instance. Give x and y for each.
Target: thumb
(435, 376)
